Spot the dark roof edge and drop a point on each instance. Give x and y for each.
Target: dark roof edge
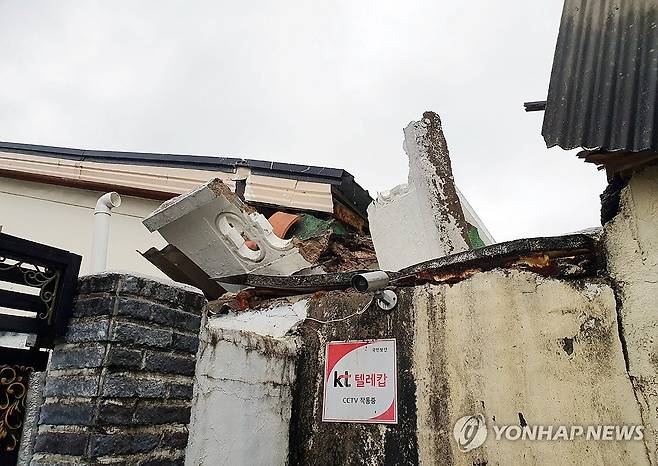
(358, 197)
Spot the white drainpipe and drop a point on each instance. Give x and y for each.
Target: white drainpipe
(102, 214)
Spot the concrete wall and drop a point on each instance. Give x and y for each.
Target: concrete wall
(33, 402)
(631, 240)
(510, 345)
(63, 217)
(520, 348)
(244, 378)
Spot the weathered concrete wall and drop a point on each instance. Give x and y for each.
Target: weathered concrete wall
(313, 442)
(244, 377)
(511, 345)
(631, 241)
(517, 346)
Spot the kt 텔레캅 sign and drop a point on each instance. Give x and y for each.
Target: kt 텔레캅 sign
(360, 382)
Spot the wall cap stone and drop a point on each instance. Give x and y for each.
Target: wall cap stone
(152, 288)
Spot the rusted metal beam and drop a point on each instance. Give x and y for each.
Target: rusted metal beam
(535, 106)
(569, 256)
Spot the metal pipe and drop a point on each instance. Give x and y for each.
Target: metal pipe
(102, 214)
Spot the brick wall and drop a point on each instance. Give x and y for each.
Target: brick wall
(119, 386)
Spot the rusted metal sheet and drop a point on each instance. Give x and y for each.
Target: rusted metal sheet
(349, 217)
(619, 161)
(603, 88)
(180, 268)
(301, 283)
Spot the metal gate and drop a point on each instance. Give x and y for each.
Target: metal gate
(37, 284)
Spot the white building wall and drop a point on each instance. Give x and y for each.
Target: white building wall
(63, 217)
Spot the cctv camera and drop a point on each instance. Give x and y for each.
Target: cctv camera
(370, 281)
(376, 281)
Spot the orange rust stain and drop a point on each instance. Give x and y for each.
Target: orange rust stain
(536, 260)
(448, 276)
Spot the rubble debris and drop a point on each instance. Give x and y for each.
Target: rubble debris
(245, 299)
(427, 212)
(348, 252)
(211, 226)
(311, 226)
(333, 252)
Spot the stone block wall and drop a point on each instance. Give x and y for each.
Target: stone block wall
(119, 386)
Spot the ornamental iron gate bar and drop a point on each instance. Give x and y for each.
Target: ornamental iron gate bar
(16, 365)
(37, 285)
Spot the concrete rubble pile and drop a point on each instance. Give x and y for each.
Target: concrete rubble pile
(213, 234)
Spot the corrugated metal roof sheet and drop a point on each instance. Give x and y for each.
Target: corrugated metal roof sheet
(603, 89)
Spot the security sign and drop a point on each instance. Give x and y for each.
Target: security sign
(360, 382)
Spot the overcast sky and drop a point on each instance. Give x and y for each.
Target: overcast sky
(324, 83)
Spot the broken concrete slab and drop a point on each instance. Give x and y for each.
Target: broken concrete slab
(423, 219)
(214, 229)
